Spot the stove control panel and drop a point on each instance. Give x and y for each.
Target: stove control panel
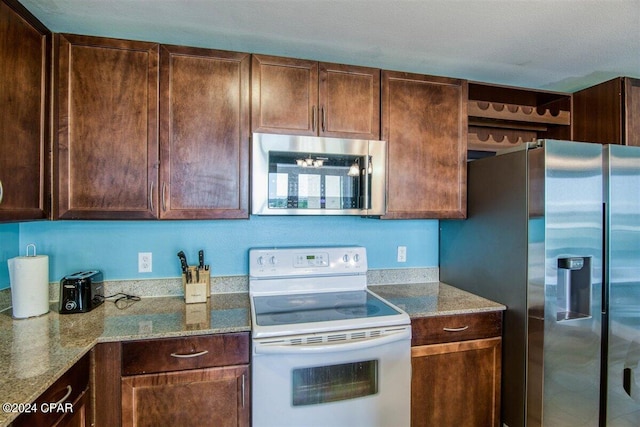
(307, 261)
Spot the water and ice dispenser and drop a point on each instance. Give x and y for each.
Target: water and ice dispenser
(574, 288)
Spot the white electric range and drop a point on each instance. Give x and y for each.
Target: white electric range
(326, 350)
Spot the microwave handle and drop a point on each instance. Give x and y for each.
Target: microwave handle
(405, 333)
(366, 202)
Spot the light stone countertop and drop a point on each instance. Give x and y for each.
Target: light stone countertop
(35, 352)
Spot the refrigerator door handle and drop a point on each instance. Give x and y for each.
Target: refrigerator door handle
(627, 375)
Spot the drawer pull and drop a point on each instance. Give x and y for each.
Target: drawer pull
(189, 355)
(65, 397)
(464, 328)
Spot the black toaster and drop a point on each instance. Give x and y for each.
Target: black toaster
(81, 292)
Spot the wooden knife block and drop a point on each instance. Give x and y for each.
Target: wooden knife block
(199, 289)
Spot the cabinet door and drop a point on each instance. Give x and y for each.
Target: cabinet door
(284, 95)
(204, 133)
(202, 397)
(608, 113)
(349, 101)
(24, 99)
(70, 392)
(603, 101)
(456, 384)
(632, 111)
(424, 121)
(107, 128)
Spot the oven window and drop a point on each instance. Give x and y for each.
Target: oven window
(322, 384)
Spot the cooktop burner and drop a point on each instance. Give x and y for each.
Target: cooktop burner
(295, 291)
(319, 307)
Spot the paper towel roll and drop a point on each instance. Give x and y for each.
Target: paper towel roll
(29, 277)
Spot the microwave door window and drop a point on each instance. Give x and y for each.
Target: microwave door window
(309, 191)
(333, 192)
(316, 182)
(278, 190)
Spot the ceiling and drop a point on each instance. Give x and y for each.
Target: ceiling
(561, 45)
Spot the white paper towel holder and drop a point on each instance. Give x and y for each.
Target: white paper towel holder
(29, 299)
(31, 245)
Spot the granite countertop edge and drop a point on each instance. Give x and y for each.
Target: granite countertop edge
(86, 330)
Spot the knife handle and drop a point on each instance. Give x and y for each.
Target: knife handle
(183, 261)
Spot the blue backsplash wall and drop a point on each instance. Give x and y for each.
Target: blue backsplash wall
(9, 248)
(113, 246)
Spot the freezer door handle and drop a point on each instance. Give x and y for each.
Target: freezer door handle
(627, 375)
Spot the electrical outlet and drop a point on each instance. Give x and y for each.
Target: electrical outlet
(145, 264)
(402, 254)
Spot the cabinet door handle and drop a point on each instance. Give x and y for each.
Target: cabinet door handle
(151, 195)
(313, 118)
(464, 328)
(65, 397)
(243, 378)
(164, 204)
(189, 355)
(324, 119)
(1, 191)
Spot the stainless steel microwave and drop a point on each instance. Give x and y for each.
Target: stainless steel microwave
(306, 175)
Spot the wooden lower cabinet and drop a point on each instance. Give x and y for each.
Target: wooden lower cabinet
(456, 370)
(65, 404)
(456, 384)
(200, 397)
(200, 380)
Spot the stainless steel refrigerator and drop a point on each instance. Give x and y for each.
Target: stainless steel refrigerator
(537, 239)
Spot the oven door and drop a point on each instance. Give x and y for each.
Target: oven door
(303, 175)
(335, 379)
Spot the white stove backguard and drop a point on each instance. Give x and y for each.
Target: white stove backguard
(307, 269)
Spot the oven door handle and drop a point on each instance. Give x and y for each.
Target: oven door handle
(260, 348)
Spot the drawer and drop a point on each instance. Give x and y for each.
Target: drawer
(66, 390)
(177, 354)
(458, 327)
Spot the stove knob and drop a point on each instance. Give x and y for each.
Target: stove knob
(356, 258)
(261, 260)
(345, 258)
(273, 260)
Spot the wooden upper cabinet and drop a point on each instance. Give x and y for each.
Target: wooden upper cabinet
(608, 113)
(204, 133)
(25, 46)
(349, 102)
(424, 121)
(300, 97)
(106, 156)
(284, 95)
